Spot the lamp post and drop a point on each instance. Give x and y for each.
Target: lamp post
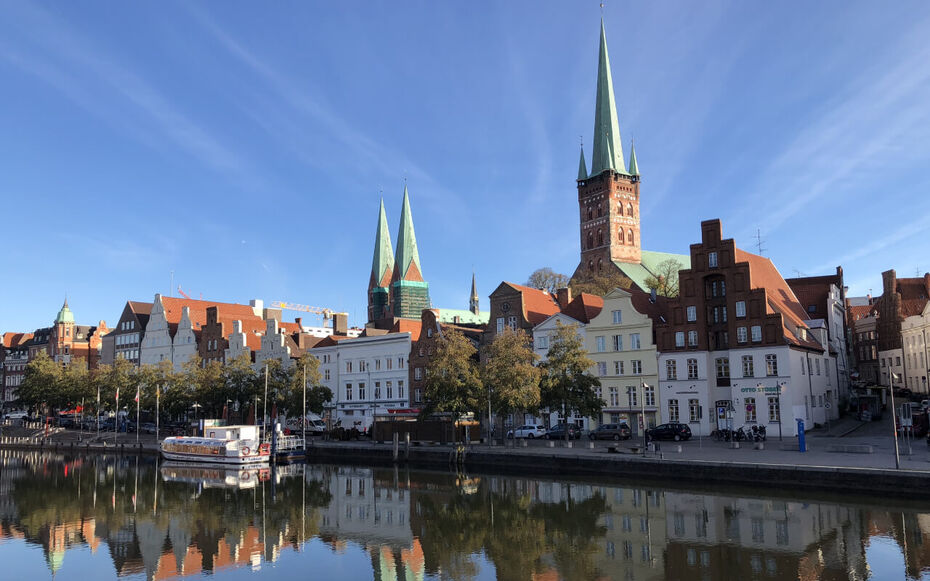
(303, 421)
(643, 415)
(196, 407)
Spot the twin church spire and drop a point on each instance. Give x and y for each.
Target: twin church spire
(607, 153)
(396, 287)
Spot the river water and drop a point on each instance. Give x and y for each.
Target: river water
(105, 517)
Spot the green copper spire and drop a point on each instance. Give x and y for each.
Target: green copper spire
(382, 263)
(634, 167)
(582, 167)
(608, 149)
(407, 254)
(64, 315)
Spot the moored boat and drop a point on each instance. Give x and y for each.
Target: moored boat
(220, 445)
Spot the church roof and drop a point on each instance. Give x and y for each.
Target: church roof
(649, 266)
(382, 263)
(465, 317)
(608, 148)
(407, 259)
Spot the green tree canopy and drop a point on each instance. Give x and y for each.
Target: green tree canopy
(509, 374)
(41, 382)
(453, 383)
(566, 378)
(547, 279)
(665, 280)
(600, 283)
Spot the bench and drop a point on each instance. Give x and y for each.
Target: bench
(850, 448)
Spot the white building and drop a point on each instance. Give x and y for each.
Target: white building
(543, 334)
(915, 333)
(367, 375)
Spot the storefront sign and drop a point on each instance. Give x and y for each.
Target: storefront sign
(763, 389)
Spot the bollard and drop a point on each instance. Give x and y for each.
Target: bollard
(550, 444)
(407, 446)
(759, 446)
(396, 443)
(569, 444)
(734, 445)
(590, 445)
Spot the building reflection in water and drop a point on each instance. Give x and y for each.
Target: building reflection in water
(166, 521)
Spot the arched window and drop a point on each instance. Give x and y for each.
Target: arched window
(598, 210)
(620, 236)
(600, 264)
(590, 265)
(590, 240)
(620, 208)
(590, 213)
(629, 236)
(629, 209)
(600, 237)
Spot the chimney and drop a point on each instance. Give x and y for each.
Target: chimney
(272, 314)
(341, 324)
(869, 297)
(258, 305)
(564, 296)
(300, 323)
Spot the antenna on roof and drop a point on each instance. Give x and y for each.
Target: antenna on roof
(797, 273)
(760, 243)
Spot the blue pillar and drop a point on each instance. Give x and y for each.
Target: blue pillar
(802, 445)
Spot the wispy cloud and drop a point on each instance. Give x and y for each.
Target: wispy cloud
(94, 78)
(876, 122)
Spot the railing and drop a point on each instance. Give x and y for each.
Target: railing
(287, 443)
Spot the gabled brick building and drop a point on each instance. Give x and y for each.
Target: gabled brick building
(901, 298)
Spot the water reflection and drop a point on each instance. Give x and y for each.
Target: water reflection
(140, 519)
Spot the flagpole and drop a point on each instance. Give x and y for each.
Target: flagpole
(894, 426)
(137, 413)
(265, 404)
(97, 410)
(304, 422)
(116, 419)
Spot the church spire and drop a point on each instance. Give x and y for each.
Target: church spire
(582, 167)
(634, 167)
(473, 301)
(407, 264)
(382, 263)
(608, 148)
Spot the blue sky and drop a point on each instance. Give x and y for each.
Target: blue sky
(245, 148)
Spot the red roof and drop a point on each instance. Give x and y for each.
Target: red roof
(11, 340)
(914, 294)
(858, 312)
(198, 311)
(781, 299)
(538, 305)
(584, 307)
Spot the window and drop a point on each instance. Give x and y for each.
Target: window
(348, 392)
(600, 345)
(802, 364)
(692, 369)
(826, 369)
(400, 362)
(692, 314)
(750, 409)
(617, 317)
(817, 365)
(542, 342)
(377, 389)
(741, 335)
(618, 342)
(512, 322)
(361, 391)
(377, 365)
(400, 389)
(747, 366)
(771, 365)
(418, 373)
(756, 333)
(598, 392)
(740, 309)
(634, 341)
(500, 324)
(671, 369)
(362, 365)
(632, 396)
(326, 374)
(694, 410)
(673, 410)
(601, 368)
(389, 363)
(618, 367)
(680, 339)
(712, 260)
(692, 339)
(774, 409)
(650, 395)
(429, 332)
(418, 395)
(348, 367)
(636, 367)
(614, 396)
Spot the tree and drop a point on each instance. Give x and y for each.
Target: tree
(453, 383)
(665, 279)
(600, 283)
(547, 279)
(566, 381)
(317, 395)
(41, 381)
(75, 384)
(510, 375)
(241, 381)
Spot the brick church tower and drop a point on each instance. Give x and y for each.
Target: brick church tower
(608, 195)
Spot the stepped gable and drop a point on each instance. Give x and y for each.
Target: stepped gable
(411, 326)
(780, 299)
(538, 305)
(226, 313)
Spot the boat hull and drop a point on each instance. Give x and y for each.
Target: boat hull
(234, 460)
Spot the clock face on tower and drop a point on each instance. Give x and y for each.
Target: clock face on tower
(505, 307)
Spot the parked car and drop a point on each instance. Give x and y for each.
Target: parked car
(671, 431)
(619, 431)
(16, 415)
(530, 431)
(147, 428)
(557, 432)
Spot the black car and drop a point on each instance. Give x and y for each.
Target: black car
(557, 432)
(671, 431)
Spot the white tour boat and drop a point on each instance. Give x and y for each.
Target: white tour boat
(220, 445)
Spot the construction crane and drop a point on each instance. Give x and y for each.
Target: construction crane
(326, 313)
(185, 295)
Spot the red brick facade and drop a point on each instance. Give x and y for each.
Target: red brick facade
(608, 206)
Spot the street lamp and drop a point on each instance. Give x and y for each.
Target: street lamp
(196, 407)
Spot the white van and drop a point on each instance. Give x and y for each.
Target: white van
(315, 424)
